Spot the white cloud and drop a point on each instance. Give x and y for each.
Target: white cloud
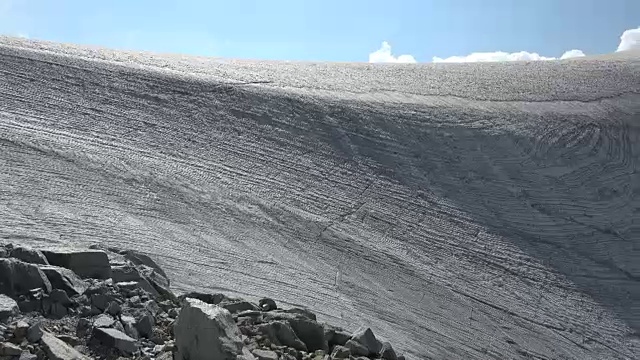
(572, 54)
(383, 55)
(630, 40)
(494, 56)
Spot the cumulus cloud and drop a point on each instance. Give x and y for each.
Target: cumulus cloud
(572, 54)
(630, 40)
(504, 56)
(383, 55)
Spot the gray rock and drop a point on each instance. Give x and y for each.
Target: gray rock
(213, 299)
(102, 301)
(9, 349)
(127, 273)
(356, 348)
(28, 255)
(71, 340)
(265, 354)
(64, 279)
(145, 325)
(34, 333)
(83, 328)
(8, 307)
(18, 278)
(28, 356)
(281, 333)
(56, 349)
(387, 352)
(238, 306)
(129, 325)
(267, 304)
(86, 263)
(20, 330)
(307, 313)
(61, 297)
(103, 321)
(401, 357)
(199, 320)
(58, 311)
(114, 308)
(365, 337)
(152, 307)
(165, 356)
(139, 258)
(159, 281)
(340, 352)
(115, 339)
(309, 331)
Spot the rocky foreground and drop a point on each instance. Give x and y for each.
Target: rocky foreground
(69, 304)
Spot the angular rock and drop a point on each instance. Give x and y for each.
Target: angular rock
(83, 327)
(20, 331)
(8, 307)
(115, 339)
(265, 354)
(86, 263)
(34, 333)
(61, 297)
(165, 356)
(57, 349)
(103, 321)
(58, 311)
(199, 320)
(114, 309)
(365, 337)
(28, 255)
(238, 306)
(71, 340)
(28, 356)
(309, 331)
(145, 325)
(340, 352)
(387, 352)
(129, 325)
(64, 279)
(18, 278)
(307, 313)
(213, 299)
(281, 333)
(356, 348)
(139, 258)
(267, 304)
(9, 349)
(127, 273)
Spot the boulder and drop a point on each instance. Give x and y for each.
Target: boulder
(199, 321)
(103, 321)
(356, 348)
(238, 306)
(213, 299)
(139, 258)
(57, 349)
(18, 277)
(8, 307)
(127, 273)
(310, 332)
(265, 354)
(267, 304)
(365, 337)
(281, 333)
(28, 255)
(60, 296)
(145, 326)
(64, 279)
(28, 356)
(34, 333)
(115, 339)
(129, 325)
(387, 352)
(307, 313)
(86, 263)
(340, 352)
(9, 349)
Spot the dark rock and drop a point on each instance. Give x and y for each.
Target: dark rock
(8, 307)
(309, 331)
(58, 311)
(139, 258)
(165, 356)
(61, 297)
(214, 299)
(265, 354)
(57, 349)
(103, 321)
(152, 307)
(387, 352)
(401, 357)
(114, 308)
(129, 324)
(9, 349)
(28, 356)
(102, 301)
(30, 305)
(281, 333)
(145, 325)
(267, 304)
(28, 255)
(365, 337)
(71, 340)
(158, 281)
(127, 273)
(20, 331)
(199, 320)
(86, 263)
(18, 277)
(308, 314)
(64, 279)
(340, 352)
(34, 333)
(83, 328)
(356, 348)
(115, 339)
(238, 306)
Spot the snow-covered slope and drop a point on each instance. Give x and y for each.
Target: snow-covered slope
(463, 211)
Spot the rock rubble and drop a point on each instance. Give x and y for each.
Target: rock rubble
(100, 303)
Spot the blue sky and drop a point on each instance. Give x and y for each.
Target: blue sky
(330, 30)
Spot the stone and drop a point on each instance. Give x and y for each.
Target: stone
(387, 352)
(103, 321)
(58, 311)
(265, 354)
(127, 273)
(114, 308)
(307, 313)
(18, 278)
(340, 352)
(238, 306)
(213, 299)
(401, 357)
(61, 297)
(64, 279)
(165, 356)
(152, 307)
(139, 258)
(83, 327)
(71, 340)
(145, 325)
(102, 301)
(281, 333)
(20, 330)
(28, 255)
(9, 349)
(86, 263)
(129, 325)
(34, 333)
(365, 337)
(199, 320)
(159, 282)
(267, 304)
(356, 348)
(56, 349)
(310, 332)
(115, 339)
(8, 307)
(28, 356)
